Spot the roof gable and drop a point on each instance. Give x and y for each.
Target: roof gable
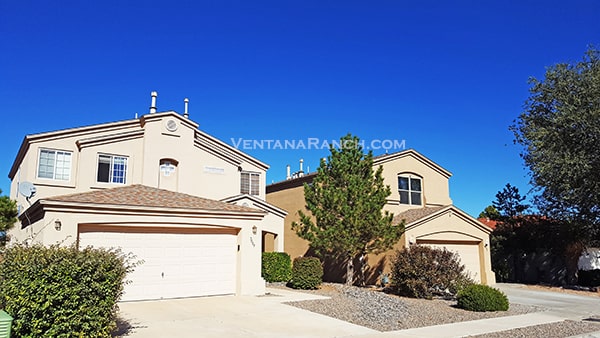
(381, 159)
(415, 217)
(258, 203)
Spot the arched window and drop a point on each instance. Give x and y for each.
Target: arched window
(410, 188)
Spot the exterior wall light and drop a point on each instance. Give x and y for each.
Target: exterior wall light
(57, 225)
(254, 230)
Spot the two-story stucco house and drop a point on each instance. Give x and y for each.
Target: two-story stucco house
(420, 197)
(190, 206)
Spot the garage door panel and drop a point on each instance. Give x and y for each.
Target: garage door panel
(175, 264)
(468, 253)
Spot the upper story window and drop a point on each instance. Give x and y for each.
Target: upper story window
(250, 183)
(112, 169)
(410, 189)
(54, 164)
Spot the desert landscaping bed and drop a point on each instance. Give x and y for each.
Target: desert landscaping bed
(383, 312)
(562, 329)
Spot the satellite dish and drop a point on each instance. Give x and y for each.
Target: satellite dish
(27, 189)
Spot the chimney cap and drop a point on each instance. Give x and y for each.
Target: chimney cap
(186, 102)
(153, 94)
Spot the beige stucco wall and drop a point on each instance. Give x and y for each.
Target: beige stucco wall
(272, 223)
(291, 200)
(435, 186)
(198, 172)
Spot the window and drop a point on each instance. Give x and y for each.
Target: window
(112, 169)
(250, 183)
(410, 189)
(54, 164)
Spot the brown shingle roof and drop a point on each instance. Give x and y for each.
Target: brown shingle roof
(412, 215)
(144, 196)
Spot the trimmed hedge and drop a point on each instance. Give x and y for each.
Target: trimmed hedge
(424, 272)
(482, 298)
(276, 266)
(307, 273)
(62, 291)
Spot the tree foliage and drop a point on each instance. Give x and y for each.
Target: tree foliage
(560, 132)
(509, 203)
(8, 216)
(490, 212)
(346, 199)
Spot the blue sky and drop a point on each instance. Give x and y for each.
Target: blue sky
(447, 77)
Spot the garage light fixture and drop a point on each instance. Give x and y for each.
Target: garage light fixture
(254, 229)
(57, 225)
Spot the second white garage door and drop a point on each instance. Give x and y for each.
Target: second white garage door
(468, 252)
(177, 262)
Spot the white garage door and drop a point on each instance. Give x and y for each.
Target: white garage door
(177, 262)
(469, 255)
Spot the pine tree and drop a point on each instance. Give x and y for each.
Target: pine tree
(345, 201)
(8, 216)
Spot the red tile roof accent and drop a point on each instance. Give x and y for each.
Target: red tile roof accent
(144, 196)
(489, 222)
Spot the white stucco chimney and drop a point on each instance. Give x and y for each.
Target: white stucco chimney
(153, 104)
(288, 175)
(301, 172)
(186, 102)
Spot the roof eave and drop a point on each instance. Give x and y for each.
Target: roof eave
(263, 204)
(50, 205)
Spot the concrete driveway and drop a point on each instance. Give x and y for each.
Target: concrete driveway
(233, 316)
(266, 316)
(568, 306)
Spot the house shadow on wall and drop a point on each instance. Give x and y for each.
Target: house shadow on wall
(334, 268)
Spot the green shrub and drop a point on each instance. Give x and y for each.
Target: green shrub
(482, 298)
(307, 273)
(276, 266)
(424, 272)
(588, 278)
(62, 291)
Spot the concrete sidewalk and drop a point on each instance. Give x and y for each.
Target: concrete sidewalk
(474, 327)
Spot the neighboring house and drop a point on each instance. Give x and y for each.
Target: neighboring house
(492, 224)
(421, 197)
(188, 205)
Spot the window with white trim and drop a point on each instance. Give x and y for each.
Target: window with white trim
(410, 189)
(112, 169)
(54, 164)
(249, 183)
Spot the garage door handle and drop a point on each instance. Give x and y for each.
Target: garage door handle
(162, 274)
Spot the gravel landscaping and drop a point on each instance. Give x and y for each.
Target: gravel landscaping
(383, 312)
(564, 329)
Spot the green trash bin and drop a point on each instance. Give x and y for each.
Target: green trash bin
(5, 324)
